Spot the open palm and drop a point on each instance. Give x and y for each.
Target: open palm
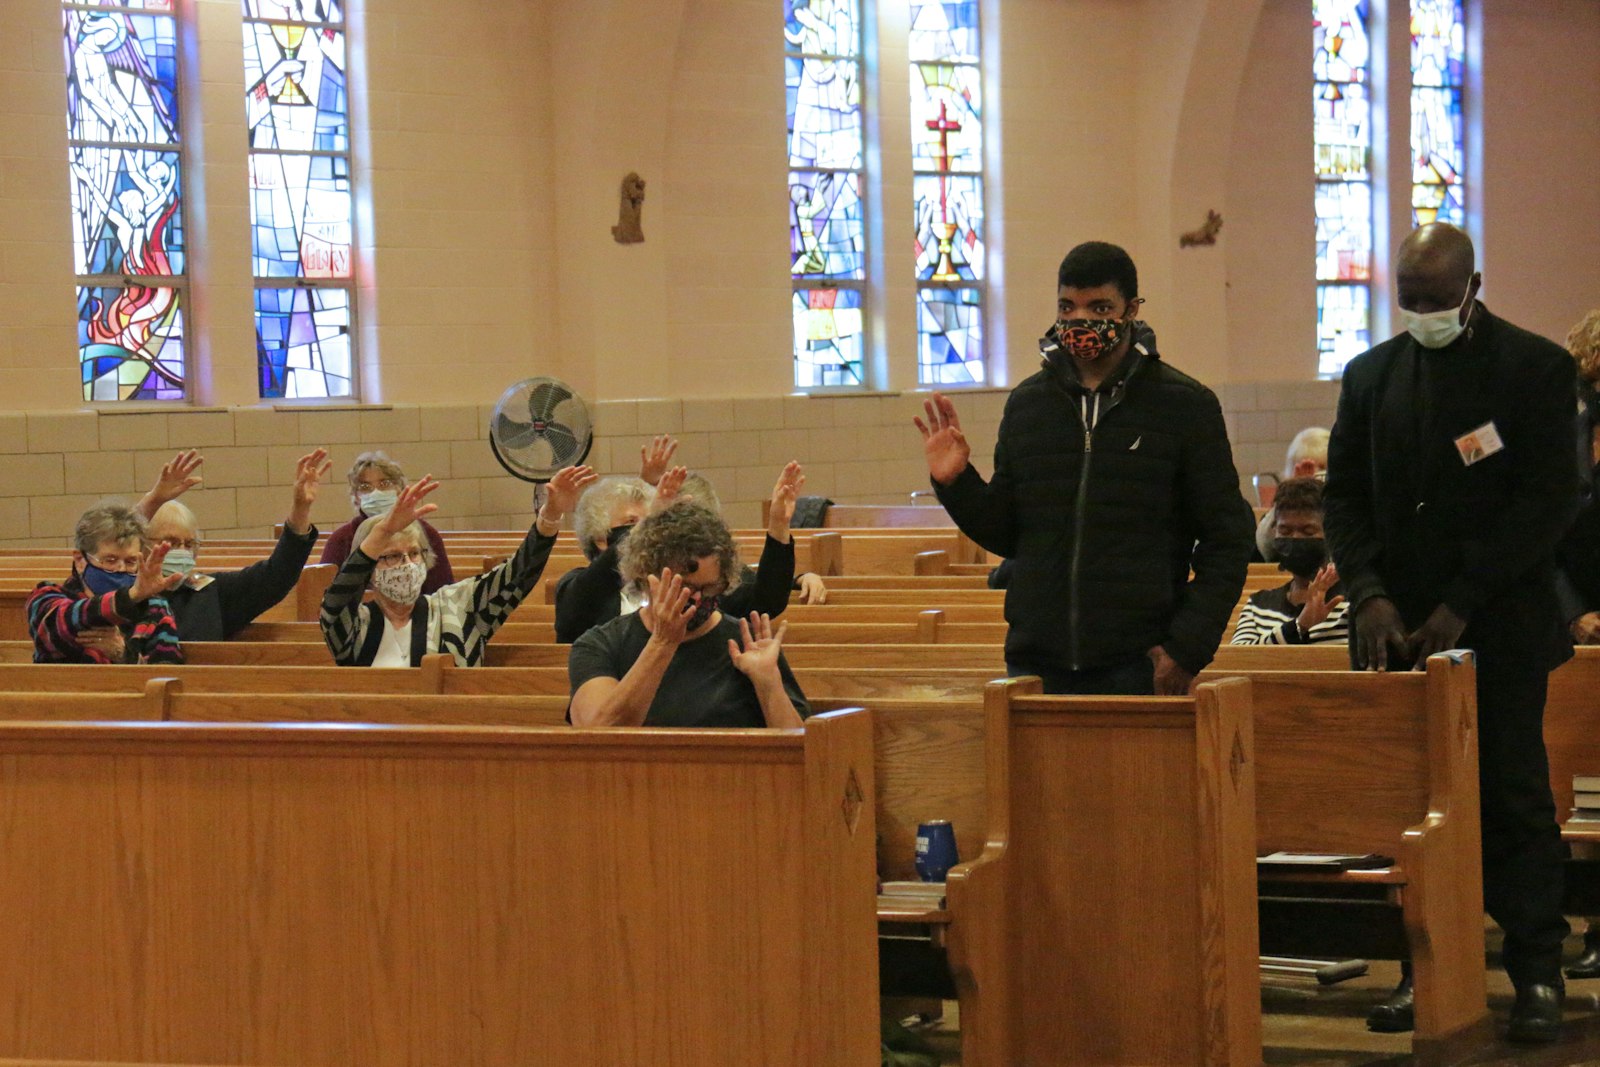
(943, 444)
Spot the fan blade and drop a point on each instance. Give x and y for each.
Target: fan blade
(514, 435)
(562, 442)
(543, 398)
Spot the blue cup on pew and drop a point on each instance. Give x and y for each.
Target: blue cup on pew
(936, 850)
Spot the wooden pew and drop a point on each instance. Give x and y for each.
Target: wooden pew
(384, 895)
(1572, 739)
(1114, 803)
(1356, 762)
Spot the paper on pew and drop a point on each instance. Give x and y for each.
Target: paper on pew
(1326, 860)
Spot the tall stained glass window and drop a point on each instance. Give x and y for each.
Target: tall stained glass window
(947, 190)
(301, 204)
(1438, 59)
(827, 225)
(125, 168)
(1343, 152)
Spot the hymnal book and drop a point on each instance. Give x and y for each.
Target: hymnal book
(1586, 783)
(1584, 816)
(915, 894)
(1587, 800)
(1323, 861)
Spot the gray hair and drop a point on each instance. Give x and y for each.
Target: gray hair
(178, 511)
(679, 537)
(107, 522)
(592, 519)
(698, 488)
(1310, 443)
(378, 459)
(417, 535)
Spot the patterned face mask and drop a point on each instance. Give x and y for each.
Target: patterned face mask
(401, 584)
(703, 609)
(1089, 338)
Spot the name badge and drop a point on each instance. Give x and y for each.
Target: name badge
(1477, 445)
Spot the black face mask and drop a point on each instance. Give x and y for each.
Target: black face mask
(1302, 557)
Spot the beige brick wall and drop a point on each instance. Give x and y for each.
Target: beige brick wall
(856, 449)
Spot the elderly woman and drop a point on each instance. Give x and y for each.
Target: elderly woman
(590, 595)
(392, 557)
(376, 482)
(214, 607)
(113, 608)
(678, 661)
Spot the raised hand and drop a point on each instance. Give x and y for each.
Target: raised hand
(784, 493)
(409, 506)
(150, 581)
(309, 471)
(667, 489)
(670, 608)
(943, 444)
(178, 476)
(1378, 629)
(1318, 604)
(654, 457)
(758, 658)
(561, 495)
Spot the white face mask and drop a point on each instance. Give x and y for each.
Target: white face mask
(177, 561)
(402, 584)
(1435, 329)
(378, 502)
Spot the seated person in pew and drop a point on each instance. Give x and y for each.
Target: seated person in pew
(1308, 609)
(214, 607)
(403, 624)
(113, 609)
(1578, 557)
(678, 660)
(780, 516)
(1307, 458)
(375, 483)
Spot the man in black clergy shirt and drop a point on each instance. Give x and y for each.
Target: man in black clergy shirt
(1451, 479)
(1113, 479)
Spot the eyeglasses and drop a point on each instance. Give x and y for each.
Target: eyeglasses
(122, 564)
(708, 591)
(173, 542)
(386, 484)
(394, 559)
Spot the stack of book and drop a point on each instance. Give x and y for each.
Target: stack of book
(1585, 800)
(917, 895)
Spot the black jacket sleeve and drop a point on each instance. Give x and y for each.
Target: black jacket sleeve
(588, 597)
(245, 593)
(1349, 516)
(1540, 443)
(769, 593)
(984, 511)
(1225, 534)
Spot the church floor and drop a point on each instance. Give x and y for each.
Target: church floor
(1309, 1026)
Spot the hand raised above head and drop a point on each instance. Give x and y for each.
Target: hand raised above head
(780, 512)
(178, 475)
(409, 506)
(309, 471)
(667, 488)
(654, 457)
(944, 446)
(562, 494)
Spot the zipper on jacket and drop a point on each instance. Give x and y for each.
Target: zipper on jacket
(1089, 421)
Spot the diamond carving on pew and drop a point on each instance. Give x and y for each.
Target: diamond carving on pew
(851, 804)
(1236, 759)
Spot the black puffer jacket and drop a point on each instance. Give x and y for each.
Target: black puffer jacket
(1106, 500)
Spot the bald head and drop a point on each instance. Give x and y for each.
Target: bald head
(173, 521)
(1436, 269)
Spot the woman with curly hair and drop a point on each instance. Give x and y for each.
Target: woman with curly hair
(678, 661)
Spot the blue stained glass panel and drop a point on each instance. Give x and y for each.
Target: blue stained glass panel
(949, 227)
(1438, 42)
(822, 27)
(295, 10)
(295, 93)
(946, 118)
(827, 237)
(949, 336)
(1344, 231)
(303, 343)
(1341, 48)
(944, 31)
(824, 105)
(130, 343)
(828, 338)
(1342, 332)
(127, 215)
(122, 77)
(300, 216)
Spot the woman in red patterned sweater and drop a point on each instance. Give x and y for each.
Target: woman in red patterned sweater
(113, 608)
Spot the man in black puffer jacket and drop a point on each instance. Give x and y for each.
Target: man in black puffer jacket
(1113, 480)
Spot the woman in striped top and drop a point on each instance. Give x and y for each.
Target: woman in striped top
(113, 608)
(1308, 609)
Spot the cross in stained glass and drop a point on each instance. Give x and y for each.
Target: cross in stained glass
(944, 126)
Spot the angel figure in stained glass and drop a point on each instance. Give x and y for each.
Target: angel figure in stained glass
(138, 216)
(129, 109)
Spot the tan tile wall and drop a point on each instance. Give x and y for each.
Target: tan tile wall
(860, 449)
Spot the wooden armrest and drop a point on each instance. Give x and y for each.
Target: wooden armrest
(1587, 832)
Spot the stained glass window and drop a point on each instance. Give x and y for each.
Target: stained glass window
(1438, 60)
(947, 190)
(297, 110)
(827, 219)
(125, 168)
(1341, 65)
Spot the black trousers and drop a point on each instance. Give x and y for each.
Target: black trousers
(1134, 677)
(1522, 849)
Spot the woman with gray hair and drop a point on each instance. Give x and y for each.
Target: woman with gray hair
(392, 557)
(375, 484)
(113, 609)
(678, 661)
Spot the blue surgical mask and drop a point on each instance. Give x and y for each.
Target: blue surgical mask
(378, 502)
(101, 581)
(177, 561)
